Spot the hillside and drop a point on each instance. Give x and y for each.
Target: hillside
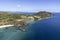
(8, 18)
(43, 14)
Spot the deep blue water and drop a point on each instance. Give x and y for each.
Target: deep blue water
(48, 29)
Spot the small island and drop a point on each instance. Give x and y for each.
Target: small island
(21, 20)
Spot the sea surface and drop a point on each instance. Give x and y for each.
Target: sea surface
(47, 29)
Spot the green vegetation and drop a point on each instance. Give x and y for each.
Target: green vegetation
(43, 14)
(9, 17)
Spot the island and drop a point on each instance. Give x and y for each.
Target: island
(19, 21)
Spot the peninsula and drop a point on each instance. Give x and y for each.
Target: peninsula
(21, 20)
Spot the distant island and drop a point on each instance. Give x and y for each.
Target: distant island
(7, 18)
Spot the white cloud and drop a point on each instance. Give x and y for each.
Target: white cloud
(18, 5)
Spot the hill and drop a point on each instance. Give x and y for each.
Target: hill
(8, 18)
(43, 14)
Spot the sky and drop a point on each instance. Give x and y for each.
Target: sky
(30, 5)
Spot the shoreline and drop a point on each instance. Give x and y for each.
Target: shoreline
(9, 25)
(3, 26)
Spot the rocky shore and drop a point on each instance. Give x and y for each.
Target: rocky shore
(20, 21)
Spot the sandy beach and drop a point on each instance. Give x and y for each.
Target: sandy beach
(5, 26)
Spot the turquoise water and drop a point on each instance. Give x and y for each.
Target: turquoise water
(47, 29)
(11, 33)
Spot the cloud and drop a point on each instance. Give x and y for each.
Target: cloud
(18, 5)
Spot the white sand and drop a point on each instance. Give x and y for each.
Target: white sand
(5, 26)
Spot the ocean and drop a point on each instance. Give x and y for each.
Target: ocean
(47, 29)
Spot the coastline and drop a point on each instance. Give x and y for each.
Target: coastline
(9, 25)
(5, 26)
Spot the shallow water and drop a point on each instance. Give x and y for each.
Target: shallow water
(48, 29)
(12, 33)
